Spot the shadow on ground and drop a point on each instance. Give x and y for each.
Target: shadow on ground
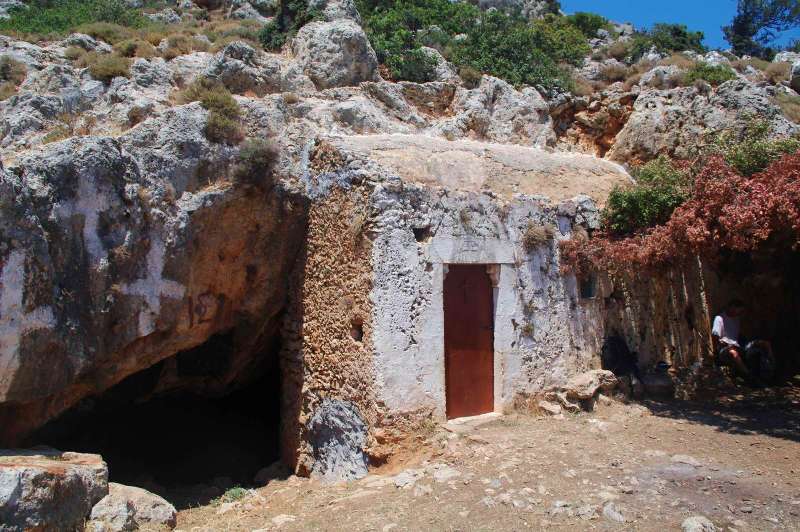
(773, 411)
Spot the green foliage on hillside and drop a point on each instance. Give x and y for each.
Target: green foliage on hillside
(659, 189)
(292, 15)
(58, 17)
(507, 46)
(667, 38)
(589, 23)
(713, 74)
(753, 150)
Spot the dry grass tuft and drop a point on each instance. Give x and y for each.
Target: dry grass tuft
(537, 235)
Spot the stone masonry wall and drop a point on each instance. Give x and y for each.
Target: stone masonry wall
(328, 332)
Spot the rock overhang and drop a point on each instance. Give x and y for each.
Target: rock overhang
(501, 169)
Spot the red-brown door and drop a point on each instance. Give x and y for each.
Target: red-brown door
(468, 341)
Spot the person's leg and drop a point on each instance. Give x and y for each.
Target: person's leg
(736, 357)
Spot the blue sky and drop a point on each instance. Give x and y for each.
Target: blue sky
(707, 16)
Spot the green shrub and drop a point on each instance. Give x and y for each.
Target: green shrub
(752, 150)
(231, 495)
(659, 189)
(223, 129)
(257, 159)
(105, 67)
(59, 17)
(224, 113)
(589, 23)
(135, 48)
(506, 46)
(292, 15)
(271, 36)
(713, 74)
(12, 70)
(106, 31)
(412, 65)
(667, 38)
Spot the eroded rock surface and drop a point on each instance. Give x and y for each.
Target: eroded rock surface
(338, 436)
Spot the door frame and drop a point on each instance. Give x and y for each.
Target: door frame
(492, 271)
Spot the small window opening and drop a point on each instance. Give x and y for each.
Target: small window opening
(357, 329)
(588, 286)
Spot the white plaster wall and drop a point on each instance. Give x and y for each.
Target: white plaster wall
(408, 317)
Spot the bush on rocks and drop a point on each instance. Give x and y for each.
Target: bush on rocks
(713, 74)
(257, 160)
(135, 48)
(667, 38)
(659, 189)
(105, 67)
(12, 74)
(589, 23)
(224, 113)
(506, 46)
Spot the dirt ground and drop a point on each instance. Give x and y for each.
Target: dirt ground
(734, 460)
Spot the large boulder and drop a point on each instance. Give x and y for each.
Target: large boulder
(335, 54)
(130, 508)
(49, 490)
(677, 122)
(586, 385)
(338, 437)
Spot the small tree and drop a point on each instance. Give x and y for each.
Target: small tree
(757, 23)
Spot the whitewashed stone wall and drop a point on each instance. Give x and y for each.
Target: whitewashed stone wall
(419, 232)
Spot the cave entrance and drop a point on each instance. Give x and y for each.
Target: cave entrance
(170, 429)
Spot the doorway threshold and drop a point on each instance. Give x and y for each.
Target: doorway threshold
(465, 424)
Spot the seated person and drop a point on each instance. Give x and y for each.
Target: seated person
(753, 362)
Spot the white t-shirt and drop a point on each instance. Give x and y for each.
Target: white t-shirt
(726, 328)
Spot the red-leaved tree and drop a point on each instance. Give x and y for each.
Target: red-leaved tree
(726, 210)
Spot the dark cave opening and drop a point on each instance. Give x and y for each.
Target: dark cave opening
(191, 441)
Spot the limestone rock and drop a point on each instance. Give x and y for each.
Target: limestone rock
(697, 523)
(586, 385)
(87, 42)
(528, 8)
(444, 71)
(550, 408)
(795, 79)
(166, 16)
(237, 67)
(338, 436)
(786, 57)
(676, 122)
(130, 508)
(335, 54)
(151, 73)
(246, 11)
(497, 112)
(26, 113)
(336, 9)
(173, 147)
(661, 77)
(49, 490)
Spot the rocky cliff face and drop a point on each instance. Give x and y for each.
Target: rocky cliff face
(127, 241)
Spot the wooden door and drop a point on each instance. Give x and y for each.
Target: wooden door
(468, 341)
